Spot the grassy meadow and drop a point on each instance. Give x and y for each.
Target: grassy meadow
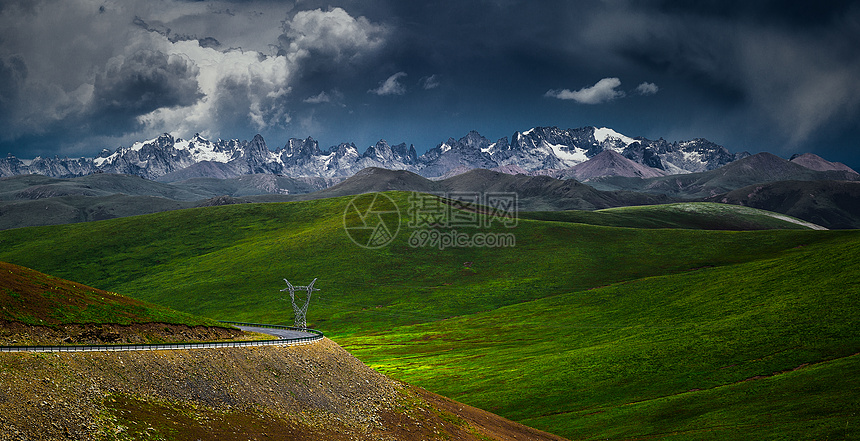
(587, 331)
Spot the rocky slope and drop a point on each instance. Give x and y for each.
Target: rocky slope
(310, 392)
(315, 391)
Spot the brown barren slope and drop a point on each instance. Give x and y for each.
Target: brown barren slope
(36, 308)
(311, 392)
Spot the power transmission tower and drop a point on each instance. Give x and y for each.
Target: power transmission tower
(301, 312)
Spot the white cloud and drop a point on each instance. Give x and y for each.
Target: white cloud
(237, 86)
(647, 89)
(319, 98)
(390, 86)
(242, 87)
(603, 91)
(430, 82)
(333, 33)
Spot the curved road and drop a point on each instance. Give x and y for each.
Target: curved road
(283, 334)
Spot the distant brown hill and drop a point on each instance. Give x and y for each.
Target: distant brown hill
(832, 204)
(815, 162)
(534, 192)
(756, 169)
(610, 163)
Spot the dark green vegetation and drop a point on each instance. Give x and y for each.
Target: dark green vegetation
(34, 298)
(766, 349)
(585, 331)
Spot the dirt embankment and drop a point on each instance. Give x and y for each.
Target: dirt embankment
(310, 392)
(17, 333)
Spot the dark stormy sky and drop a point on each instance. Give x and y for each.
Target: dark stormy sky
(77, 76)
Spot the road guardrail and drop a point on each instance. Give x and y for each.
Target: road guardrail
(172, 346)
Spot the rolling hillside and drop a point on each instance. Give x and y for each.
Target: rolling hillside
(833, 204)
(33, 200)
(768, 349)
(755, 169)
(687, 215)
(31, 297)
(230, 260)
(573, 320)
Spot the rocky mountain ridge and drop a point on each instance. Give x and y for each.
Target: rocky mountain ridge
(540, 150)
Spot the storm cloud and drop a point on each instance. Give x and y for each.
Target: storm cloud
(77, 76)
(790, 66)
(142, 83)
(13, 72)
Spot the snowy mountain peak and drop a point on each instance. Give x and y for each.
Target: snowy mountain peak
(604, 133)
(538, 149)
(197, 138)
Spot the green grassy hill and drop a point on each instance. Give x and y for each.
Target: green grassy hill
(228, 262)
(766, 349)
(687, 215)
(574, 320)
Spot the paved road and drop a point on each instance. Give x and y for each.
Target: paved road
(280, 333)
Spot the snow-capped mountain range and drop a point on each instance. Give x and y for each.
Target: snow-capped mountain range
(540, 150)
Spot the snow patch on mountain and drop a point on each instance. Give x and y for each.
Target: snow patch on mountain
(604, 133)
(577, 155)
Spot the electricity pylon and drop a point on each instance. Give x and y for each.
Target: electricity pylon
(301, 312)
